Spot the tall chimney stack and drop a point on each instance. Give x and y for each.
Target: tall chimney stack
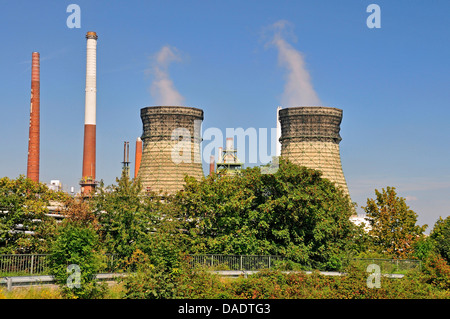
(34, 131)
(88, 182)
(138, 156)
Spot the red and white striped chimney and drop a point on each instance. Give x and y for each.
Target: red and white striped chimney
(88, 182)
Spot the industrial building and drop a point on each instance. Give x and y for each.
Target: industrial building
(170, 145)
(228, 160)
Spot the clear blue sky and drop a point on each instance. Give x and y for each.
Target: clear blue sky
(392, 83)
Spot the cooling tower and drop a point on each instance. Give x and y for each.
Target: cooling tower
(171, 138)
(310, 137)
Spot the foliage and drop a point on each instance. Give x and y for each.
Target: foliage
(437, 272)
(294, 213)
(23, 203)
(424, 248)
(76, 244)
(393, 224)
(192, 283)
(441, 237)
(122, 217)
(177, 280)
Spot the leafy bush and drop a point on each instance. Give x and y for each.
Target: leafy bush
(177, 281)
(77, 245)
(441, 237)
(436, 272)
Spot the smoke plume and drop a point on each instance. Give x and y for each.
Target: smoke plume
(298, 90)
(162, 88)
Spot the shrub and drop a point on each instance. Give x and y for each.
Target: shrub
(77, 245)
(437, 272)
(177, 281)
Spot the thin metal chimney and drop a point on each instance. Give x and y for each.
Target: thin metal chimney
(126, 158)
(34, 131)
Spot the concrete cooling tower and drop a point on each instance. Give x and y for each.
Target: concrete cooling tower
(171, 147)
(310, 137)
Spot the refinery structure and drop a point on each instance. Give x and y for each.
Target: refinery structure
(170, 145)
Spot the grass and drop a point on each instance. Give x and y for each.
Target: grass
(115, 291)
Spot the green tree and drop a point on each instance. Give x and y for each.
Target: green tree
(441, 237)
(293, 212)
(131, 221)
(393, 224)
(75, 259)
(24, 225)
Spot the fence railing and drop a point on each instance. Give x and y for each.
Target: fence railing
(235, 262)
(39, 263)
(390, 265)
(24, 263)
(35, 264)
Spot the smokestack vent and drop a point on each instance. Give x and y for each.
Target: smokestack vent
(91, 35)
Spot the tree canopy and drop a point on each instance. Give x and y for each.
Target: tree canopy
(293, 212)
(393, 224)
(23, 208)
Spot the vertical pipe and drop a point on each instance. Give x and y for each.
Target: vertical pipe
(88, 180)
(128, 152)
(124, 152)
(211, 165)
(138, 156)
(34, 130)
(229, 145)
(220, 159)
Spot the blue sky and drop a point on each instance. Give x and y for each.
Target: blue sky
(392, 83)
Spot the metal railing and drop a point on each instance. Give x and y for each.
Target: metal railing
(36, 264)
(390, 265)
(39, 263)
(24, 263)
(235, 262)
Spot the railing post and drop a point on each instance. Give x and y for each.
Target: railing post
(32, 264)
(241, 263)
(269, 261)
(9, 284)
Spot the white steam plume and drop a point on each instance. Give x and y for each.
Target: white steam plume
(298, 90)
(162, 88)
